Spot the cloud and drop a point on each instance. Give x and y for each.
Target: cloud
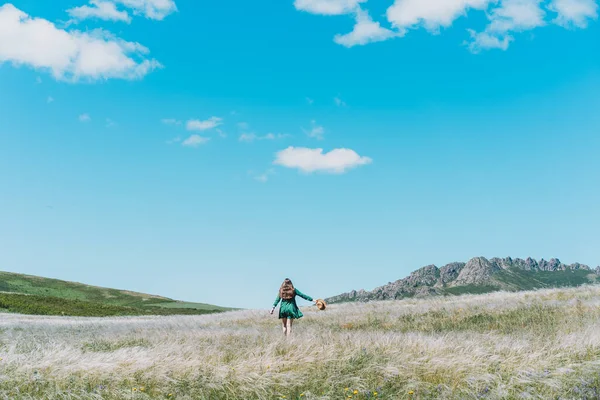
(484, 40)
(510, 16)
(195, 141)
(365, 31)
(264, 177)
(69, 55)
(247, 137)
(250, 137)
(50, 99)
(431, 14)
(339, 102)
(307, 160)
(170, 121)
(152, 9)
(506, 18)
(574, 12)
(273, 136)
(100, 9)
(316, 131)
(221, 133)
(84, 118)
(197, 125)
(327, 7)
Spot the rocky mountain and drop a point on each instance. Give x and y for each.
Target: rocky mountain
(479, 275)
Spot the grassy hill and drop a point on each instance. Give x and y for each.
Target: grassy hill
(514, 279)
(37, 295)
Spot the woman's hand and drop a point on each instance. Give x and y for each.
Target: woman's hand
(272, 309)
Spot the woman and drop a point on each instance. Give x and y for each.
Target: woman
(288, 311)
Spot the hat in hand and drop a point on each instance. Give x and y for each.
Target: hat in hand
(321, 305)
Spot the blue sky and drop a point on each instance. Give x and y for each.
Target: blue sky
(206, 150)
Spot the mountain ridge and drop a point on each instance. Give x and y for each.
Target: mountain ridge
(478, 275)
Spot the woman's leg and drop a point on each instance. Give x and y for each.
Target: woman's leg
(284, 322)
(289, 326)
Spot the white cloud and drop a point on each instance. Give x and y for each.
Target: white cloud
(307, 160)
(574, 12)
(100, 9)
(484, 40)
(152, 9)
(247, 137)
(432, 14)
(84, 118)
(195, 141)
(221, 133)
(264, 177)
(197, 125)
(170, 121)
(339, 102)
(365, 31)
(510, 16)
(273, 136)
(328, 7)
(69, 55)
(250, 137)
(507, 17)
(50, 99)
(316, 131)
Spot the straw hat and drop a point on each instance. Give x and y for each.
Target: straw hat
(321, 305)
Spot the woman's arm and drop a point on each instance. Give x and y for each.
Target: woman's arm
(275, 304)
(304, 296)
(277, 299)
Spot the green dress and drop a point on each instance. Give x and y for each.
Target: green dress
(289, 308)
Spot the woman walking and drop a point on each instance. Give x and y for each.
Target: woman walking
(289, 311)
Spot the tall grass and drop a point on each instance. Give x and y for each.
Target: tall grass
(543, 344)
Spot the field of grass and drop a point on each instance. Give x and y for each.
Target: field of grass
(195, 306)
(104, 298)
(538, 345)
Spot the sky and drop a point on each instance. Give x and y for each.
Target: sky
(205, 151)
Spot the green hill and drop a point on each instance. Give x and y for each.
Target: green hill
(37, 295)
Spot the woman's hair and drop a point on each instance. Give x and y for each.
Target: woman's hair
(286, 291)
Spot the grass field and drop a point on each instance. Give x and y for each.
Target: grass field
(538, 345)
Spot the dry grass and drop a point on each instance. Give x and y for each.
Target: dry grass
(543, 344)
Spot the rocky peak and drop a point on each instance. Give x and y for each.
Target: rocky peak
(477, 270)
(425, 276)
(450, 272)
(576, 266)
(531, 264)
